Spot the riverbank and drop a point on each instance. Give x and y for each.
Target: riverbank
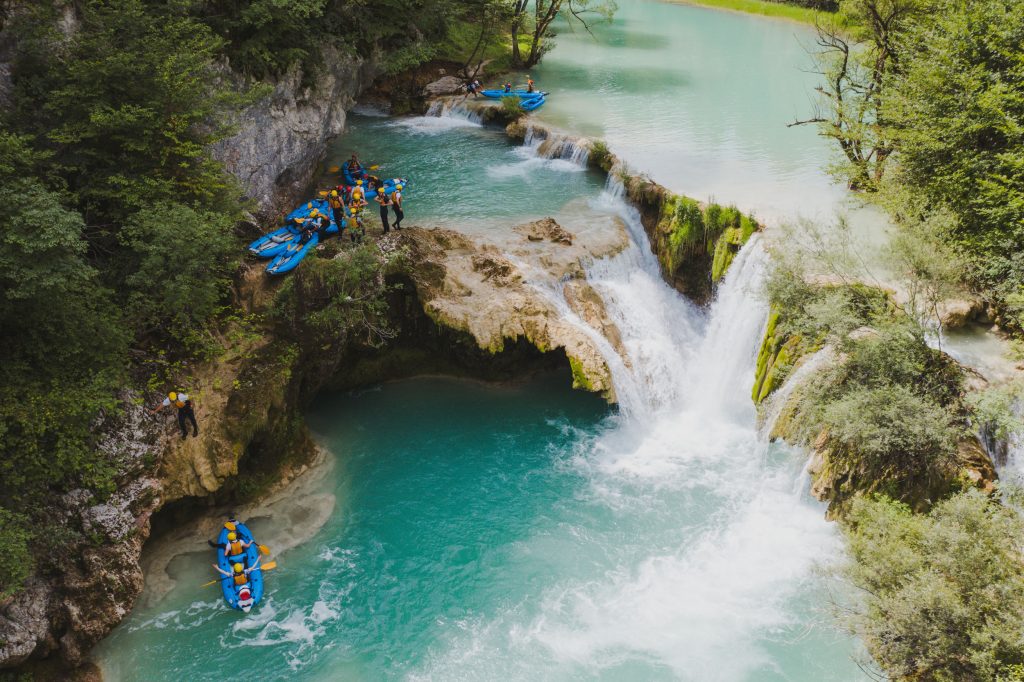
(762, 8)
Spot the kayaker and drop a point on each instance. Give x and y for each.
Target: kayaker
(235, 546)
(337, 208)
(396, 202)
(355, 169)
(384, 201)
(529, 84)
(240, 573)
(183, 404)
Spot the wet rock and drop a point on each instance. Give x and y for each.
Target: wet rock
(956, 313)
(545, 229)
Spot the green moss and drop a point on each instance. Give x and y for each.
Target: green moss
(579, 377)
(690, 232)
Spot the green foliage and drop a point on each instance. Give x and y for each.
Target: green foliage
(512, 108)
(15, 560)
(939, 597)
(994, 410)
(130, 105)
(331, 300)
(956, 109)
(180, 266)
(689, 230)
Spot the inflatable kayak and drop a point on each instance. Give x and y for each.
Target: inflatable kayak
(274, 243)
(521, 94)
(241, 597)
(531, 103)
(292, 254)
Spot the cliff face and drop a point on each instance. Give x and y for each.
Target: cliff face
(282, 138)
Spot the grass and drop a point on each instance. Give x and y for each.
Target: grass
(763, 8)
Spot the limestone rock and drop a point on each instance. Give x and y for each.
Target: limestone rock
(545, 229)
(283, 137)
(956, 313)
(446, 85)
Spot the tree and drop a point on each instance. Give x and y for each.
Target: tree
(940, 596)
(544, 14)
(956, 112)
(180, 267)
(856, 69)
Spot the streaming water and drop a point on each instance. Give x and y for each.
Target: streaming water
(528, 532)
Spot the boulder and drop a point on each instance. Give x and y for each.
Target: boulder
(446, 85)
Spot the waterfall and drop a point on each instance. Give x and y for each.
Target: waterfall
(442, 115)
(547, 144)
(711, 552)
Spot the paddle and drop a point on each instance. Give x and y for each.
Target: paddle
(265, 567)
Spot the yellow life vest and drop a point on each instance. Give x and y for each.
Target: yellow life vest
(241, 578)
(236, 548)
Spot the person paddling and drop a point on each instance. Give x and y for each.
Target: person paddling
(396, 202)
(235, 546)
(239, 573)
(183, 404)
(384, 201)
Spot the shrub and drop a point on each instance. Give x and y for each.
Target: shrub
(939, 596)
(16, 559)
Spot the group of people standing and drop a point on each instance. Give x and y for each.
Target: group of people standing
(353, 198)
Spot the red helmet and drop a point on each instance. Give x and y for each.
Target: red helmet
(244, 593)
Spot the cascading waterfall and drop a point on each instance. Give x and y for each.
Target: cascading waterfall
(443, 114)
(706, 571)
(547, 144)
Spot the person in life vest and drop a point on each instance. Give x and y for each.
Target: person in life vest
(355, 169)
(384, 201)
(235, 546)
(239, 573)
(355, 208)
(508, 86)
(183, 404)
(245, 598)
(396, 203)
(337, 208)
(529, 84)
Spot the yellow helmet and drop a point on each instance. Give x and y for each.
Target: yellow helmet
(232, 537)
(314, 213)
(359, 182)
(238, 568)
(172, 395)
(334, 192)
(398, 187)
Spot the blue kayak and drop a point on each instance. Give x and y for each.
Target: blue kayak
(531, 103)
(522, 94)
(234, 594)
(275, 243)
(292, 254)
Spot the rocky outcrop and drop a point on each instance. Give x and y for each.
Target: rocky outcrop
(445, 85)
(283, 137)
(475, 287)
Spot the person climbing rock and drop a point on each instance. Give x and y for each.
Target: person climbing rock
(183, 404)
(235, 546)
(396, 203)
(384, 201)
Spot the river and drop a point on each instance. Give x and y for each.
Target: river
(526, 531)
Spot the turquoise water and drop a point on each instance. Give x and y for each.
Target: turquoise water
(464, 175)
(478, 532)
(528, 532)
(700, 99)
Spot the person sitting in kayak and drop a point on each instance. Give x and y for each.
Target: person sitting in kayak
(240, 574)
(355, 169)
(529, 84)
(235, 546)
